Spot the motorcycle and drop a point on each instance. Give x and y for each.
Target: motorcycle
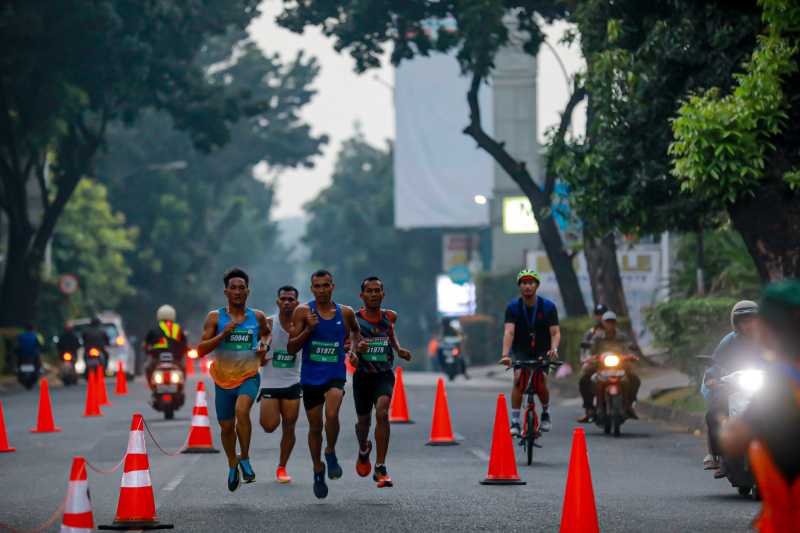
(27, 374)
(93, 357)
(451, 358)
(609, 380)
(67, 371)
(166, 384)
(742, 385)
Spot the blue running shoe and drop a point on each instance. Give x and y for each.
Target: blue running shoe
(247, 471)
(334, 469)
(233, 478)
(320, 488)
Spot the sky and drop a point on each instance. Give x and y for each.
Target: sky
(345, 98)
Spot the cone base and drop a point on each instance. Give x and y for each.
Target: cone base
(8, 450)
(489, 481)
(200, 450)
(441, 443)
(54, 430)
(137, 526)
(401, 421)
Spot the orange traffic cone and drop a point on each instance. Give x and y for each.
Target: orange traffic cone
(78, 507)
(189, 367)
(137, 506)
(781, 501)
(102, 393)
(205, 363)
(4, 447)
(121, 388)
(92, 406)
(579, 514)
(398, 409)
(441, 431)
(45, 422)
(502, 462)
(200, 432)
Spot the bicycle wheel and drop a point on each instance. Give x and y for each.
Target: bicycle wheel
(530, 433)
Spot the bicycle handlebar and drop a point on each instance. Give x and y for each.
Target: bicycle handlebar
(537, 363)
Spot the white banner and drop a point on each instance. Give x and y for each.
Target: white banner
(438, 170)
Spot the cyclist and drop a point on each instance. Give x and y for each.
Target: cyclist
(531, 332)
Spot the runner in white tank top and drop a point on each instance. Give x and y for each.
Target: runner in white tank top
(280, 381)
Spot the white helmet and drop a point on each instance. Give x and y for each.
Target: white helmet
(742, 309)
(166, 312)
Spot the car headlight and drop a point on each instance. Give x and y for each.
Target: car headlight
(611, 360)
(751, 380)
(175, 376)
(158, 377)
(80, 366)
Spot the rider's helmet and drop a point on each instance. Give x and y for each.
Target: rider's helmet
(742, 309)
(609, 316)
(528, 274)
(166, 312)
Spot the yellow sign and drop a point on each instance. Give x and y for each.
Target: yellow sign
(518, 215)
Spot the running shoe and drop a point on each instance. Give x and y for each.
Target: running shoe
(320, 488)
(363, 466)
(233, 478)
(381, 476)
(282, 476)
(247, 471)
(334, 469)
(515, 429)
(545, 425)
(710, 462)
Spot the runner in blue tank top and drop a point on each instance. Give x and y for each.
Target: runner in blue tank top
(320, 328)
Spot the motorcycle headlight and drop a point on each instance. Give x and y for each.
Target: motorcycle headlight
(158, 377)
(119, 341)
(94, 352)
(67, 356)
(175, 376)
(751, 380)
(192, 354)
(611, 360)
(80, 366)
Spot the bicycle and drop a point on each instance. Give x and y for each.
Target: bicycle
(530, 428)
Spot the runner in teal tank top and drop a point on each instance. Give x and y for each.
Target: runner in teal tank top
(319, 329)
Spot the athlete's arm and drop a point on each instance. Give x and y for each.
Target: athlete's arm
(265, 337)
(508, 340)
(353, 331)
(209, 341)
(300, 331)
(555, 340)
(402, 352)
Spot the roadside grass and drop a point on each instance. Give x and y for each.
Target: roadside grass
(683, 398)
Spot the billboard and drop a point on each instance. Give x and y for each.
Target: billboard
(438, 171)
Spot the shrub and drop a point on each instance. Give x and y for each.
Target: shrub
(482, 341)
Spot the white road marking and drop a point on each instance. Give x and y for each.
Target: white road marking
(458, 436)
(480, 454)
(571, 402)
(172, 485)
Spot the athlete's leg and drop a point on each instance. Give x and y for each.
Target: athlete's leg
(362, 429)
(540, 385)
(243, 427)
(228, 438)
(315, 435)
(333, 401)
(290, 409)
(225, 404)
(382, 430)
(270, 416)
(516, 390)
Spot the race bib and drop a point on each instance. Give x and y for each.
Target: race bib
(377, 350)
(239, 340)
(324, 352)
(283, 359)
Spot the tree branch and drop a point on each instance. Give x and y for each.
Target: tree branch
(578, 94)
(40, 168)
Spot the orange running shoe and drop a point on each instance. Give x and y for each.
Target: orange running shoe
(381, 476)
(282, 476)
(363, 466)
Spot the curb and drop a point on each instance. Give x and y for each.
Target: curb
(691, 421)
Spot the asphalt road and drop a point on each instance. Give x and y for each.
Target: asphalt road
(650, 479)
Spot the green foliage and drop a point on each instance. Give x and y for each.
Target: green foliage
(91, 242)
(493, 291)
(728, 267)
(351, 233)
(688, 328)
(721, 143)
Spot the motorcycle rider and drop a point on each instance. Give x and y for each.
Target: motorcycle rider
(773, 417)
(94, 336)
(29, 348)
(737, 350)
(167, 336)
(588, 365)
(612, 339)
(68, 341)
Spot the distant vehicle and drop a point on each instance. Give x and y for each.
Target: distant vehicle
(120, 349)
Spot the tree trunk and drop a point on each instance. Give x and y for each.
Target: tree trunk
(769, 222)
(701, 264)
(21, 280)
(601, 262)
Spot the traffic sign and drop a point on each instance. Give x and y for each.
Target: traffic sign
(68, 284)
(459, 274)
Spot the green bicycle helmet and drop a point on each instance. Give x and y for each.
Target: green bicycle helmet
(528, 274)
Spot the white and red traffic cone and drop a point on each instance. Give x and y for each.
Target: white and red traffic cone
(137, 507)
(200, 432)
(78, 508)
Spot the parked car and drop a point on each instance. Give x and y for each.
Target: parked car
(120, 349)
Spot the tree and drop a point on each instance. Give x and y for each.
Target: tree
(200, 213)
(481, 30)
(351, 232)
(69, 69)
(739, 152)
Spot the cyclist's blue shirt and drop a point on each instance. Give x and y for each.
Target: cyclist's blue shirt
(546, 316)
